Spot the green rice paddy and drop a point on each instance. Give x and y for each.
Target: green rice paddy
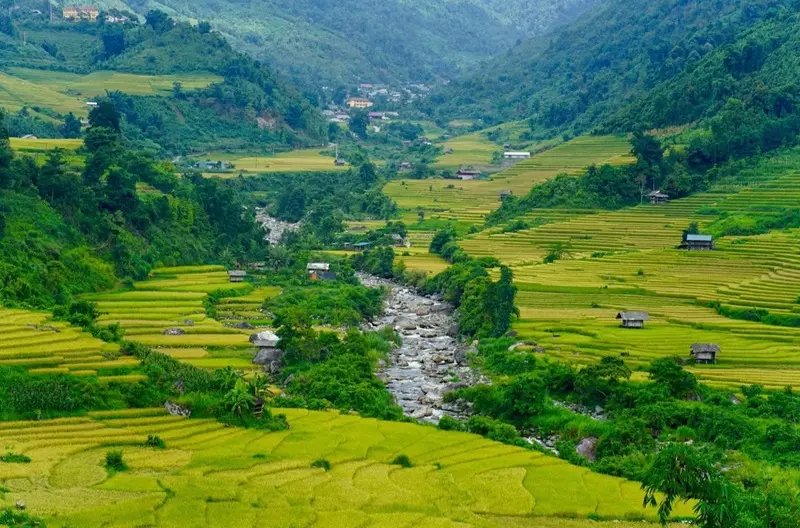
(211, 475)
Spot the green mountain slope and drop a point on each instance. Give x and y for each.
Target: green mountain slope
(221, 97)
(674, 61)
(372, 40)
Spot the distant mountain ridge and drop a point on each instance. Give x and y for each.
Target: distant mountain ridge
(371, 40)
(630, 64)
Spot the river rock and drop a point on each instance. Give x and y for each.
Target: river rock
(177, 410)
(586, 448)
(266, 356)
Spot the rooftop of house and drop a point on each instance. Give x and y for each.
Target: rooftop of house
(658, 194)
(318, 266)
(237, 273)
(699, 238)
(699, 348)
(633, 316)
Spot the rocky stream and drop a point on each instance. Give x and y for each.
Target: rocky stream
(431, 361)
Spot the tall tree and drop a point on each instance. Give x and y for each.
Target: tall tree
(501, 307)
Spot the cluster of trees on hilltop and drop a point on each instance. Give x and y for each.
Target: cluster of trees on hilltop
(66, 229)
(637, 65)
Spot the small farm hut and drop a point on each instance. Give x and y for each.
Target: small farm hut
(705, 353)
(699, 242)
(658, 198)
(633, 319)
(237, 275)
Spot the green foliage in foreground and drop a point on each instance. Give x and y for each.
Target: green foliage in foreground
(18, 519)
(324, 371)
(698, 431)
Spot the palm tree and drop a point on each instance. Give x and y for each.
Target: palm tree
(239, 399)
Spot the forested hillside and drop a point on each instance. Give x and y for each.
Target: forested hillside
(638, 64)
(243, 103)
(372, 40)
(66, 230)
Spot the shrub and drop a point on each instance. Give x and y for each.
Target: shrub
(403, 461)
(448, 423)
(321, 463)
(114, 461)
(155, 441)
(15, 458)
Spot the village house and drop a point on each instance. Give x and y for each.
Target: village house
(317, 267)
(359, 103)
(658, 198)
(633, 319)
(516, 155)
(705, 353)
(505, 194)
(117, 19)
(89, 13)
(320, 271)
(398, 240)
(362, 246)
(405, 165)
(237, 275)
(699, 243)
(468, 174)
(377, 115)
(339, 162)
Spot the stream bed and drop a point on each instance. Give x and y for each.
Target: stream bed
(431, 361)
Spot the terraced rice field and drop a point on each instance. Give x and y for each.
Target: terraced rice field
(16, 93)
(41, 146)
(67, 92)
(471, 201)
(626, 260)
(477, 149)
(174, 299)
(30, 340)
(211, 475)
(97, 83)
(304, 160)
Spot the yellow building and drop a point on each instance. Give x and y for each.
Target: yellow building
(359, 102)
(89, 13)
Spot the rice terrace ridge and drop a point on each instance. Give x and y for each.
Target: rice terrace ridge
(439, 264)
